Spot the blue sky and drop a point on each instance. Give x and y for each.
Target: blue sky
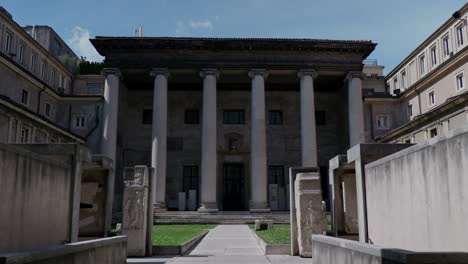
(398, 26)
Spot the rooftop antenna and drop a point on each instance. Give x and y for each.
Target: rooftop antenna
(139, 32)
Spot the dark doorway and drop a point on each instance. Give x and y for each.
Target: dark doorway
(233, 199)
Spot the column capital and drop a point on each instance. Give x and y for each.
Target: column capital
(111, 71)
(307, 72)
(255, 72)
(355, 74)
(209, 71)
(160, 71)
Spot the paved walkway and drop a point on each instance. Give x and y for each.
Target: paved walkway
(226, 244)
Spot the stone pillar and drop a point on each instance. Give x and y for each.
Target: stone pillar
(159, 137)
(355, 111)
(258, 174)
(209, 160)
(110, 113)
(308, 133)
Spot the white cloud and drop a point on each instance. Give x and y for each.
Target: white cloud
(79, 42)
(201, 24)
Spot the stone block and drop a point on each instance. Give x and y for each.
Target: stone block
(181, 201)
(135, 219)
(263, 225)
(192, 200)
(273, 196)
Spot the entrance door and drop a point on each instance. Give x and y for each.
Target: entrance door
(233, 199)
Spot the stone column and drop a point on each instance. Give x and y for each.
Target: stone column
(355, 111)
(209, 160)
(159, 137)
(110, 113)
(308, 133)
(258, 173)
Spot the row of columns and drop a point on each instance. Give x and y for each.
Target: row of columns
(259, 180)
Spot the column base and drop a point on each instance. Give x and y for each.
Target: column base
(259, 207)
(159, 207)
(208, 208)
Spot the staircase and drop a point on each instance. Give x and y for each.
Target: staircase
(242, 217)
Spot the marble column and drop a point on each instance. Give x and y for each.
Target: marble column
(159, 137)
(308, 132)
(258, 172)
(110, 113)
(209, 159)
(355, 108)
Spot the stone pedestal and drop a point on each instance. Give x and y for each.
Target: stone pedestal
(181, 201)
(309, 215)
(281, 199)
(192, 200)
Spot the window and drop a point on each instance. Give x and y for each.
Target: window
(33, 62)
(190, 178)
(25, 97)
(445, 43)
(433, 132)
(47, 109)
(43, 70)
(395, 83)
(460, 82)
(410, 111)
(8, 42)
(320, 118)
(233, 117)
(79, 121)
(275, 117)
(21, 53)
(403, 79)
(276, 174)
(52, 78)
(432, 100)
(24, 138)
(408, 141)
(434, 55)
(422, 64)
(147, 116)
(192, 117)
(383, 122)
(61, 83)
(460, 35)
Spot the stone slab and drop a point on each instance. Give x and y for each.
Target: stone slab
(181, 201)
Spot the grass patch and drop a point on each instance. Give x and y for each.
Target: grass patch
(280, 234)
(170, 235)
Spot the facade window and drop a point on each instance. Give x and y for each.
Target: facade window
(276, 174)
(33, 62)
(192, 117)
(403, 79)
(434, 55)
(25, 97)
(233, 117)
(79, 121)
(395, 83)
(275, 117)
(320, 118)
(383, 122)
(422, 64)
(410, 111)
(43, 70)
(47, 109)
(433, 132)
(147, 116)
(445, 44)
(460, 35)
(460, 82)
(21, 53)
(61, 82)
(52, 78)
(432, 99)
(8, 39)
(24, 138)
(190, 178)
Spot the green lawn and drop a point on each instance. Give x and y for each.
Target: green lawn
(280, 234)
(168, 235)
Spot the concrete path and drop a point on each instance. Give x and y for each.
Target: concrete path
(226, 244)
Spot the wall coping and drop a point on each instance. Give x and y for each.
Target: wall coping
(420, 146)
(60, 250)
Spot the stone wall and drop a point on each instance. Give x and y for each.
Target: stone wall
(331, 250)
(39, 191)
(416, 198)
(99, 251)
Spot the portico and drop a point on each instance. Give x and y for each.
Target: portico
(250, 93)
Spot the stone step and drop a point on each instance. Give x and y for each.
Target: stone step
(219, 218)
